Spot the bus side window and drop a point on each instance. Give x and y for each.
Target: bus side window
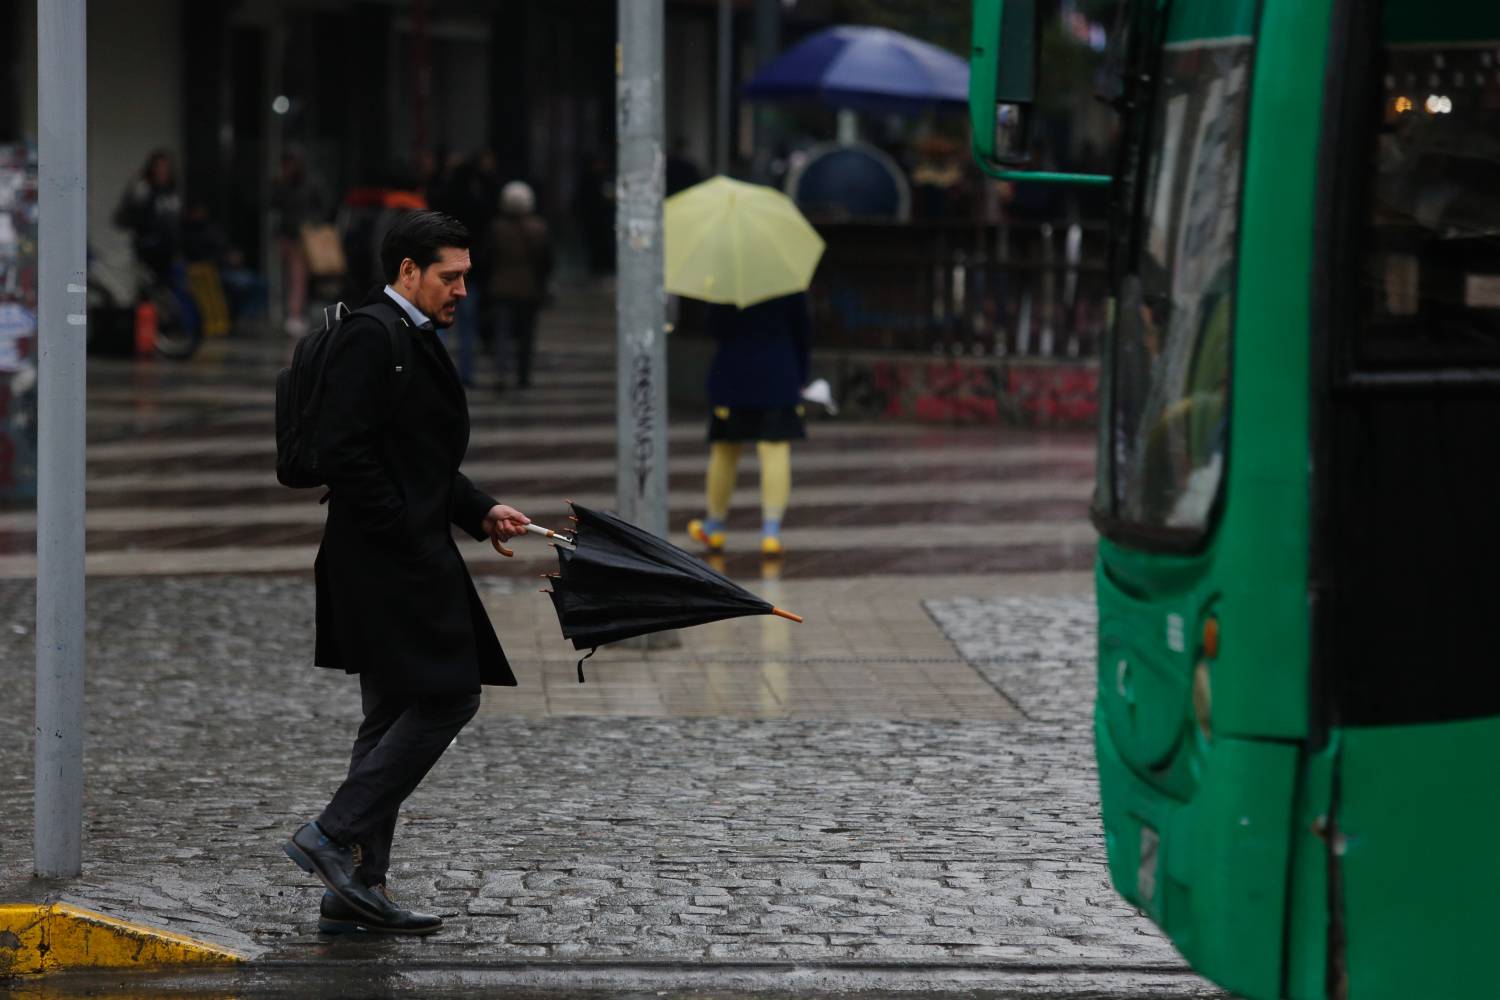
(1432, 264)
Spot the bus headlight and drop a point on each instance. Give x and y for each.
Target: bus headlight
(1203, 696)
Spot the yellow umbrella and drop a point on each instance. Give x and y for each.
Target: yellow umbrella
(727, 241)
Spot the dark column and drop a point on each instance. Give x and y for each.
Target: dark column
(767, 47)
(11, 69)
(370, 98)
(511, 94)
(205, 45)
(767, 30)
(247, 118)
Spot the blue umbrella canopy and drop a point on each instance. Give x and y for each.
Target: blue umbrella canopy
(870, 69)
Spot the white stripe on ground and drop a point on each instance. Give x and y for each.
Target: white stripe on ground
(497, 473)
(262, 443)
(303, 508)
(262, 384)
(168, 400)
(298, 558)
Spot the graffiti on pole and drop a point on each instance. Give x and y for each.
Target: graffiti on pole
(643, 410)
(18, 330)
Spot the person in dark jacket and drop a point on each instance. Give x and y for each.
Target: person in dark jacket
(755, 388)
(151, 209)
(395, 603)
(520, 265)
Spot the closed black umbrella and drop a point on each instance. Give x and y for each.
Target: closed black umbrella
(616, 581)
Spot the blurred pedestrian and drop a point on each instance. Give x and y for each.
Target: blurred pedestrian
(520, 265)
(395, 603)
(151, 210)
(594, 202)
(467, 195)
(682, 173)
(369, 211)
(487, 182)
(427, 175)
(755, 389)
(298, 200)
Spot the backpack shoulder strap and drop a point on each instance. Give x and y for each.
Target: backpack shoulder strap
(398, 329)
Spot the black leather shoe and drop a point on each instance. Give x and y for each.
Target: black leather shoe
(334, 864)
(336, 917)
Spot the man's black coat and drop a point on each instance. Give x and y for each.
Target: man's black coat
(394, 595)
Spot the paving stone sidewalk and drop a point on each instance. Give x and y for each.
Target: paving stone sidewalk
(852, 842)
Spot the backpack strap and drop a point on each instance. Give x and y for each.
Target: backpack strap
(398, 329)
(334, 315)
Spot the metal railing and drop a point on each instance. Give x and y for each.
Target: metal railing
(999, 290)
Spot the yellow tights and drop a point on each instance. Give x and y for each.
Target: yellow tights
(775, 480)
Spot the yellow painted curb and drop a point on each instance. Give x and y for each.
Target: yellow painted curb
(37, 938)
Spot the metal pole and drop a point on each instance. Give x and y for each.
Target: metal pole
(641, 361)
(273, 266)
(767, 30)
(767, 45)
(725, 63)
(61, 333)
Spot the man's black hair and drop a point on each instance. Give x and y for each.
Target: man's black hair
(420, 236)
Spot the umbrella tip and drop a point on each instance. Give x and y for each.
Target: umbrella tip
(787, 615)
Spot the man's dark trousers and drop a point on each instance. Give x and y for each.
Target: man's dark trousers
(401, 738)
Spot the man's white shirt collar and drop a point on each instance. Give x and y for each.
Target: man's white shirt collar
(418, 320)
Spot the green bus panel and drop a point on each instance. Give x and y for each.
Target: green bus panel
(1261, 681)
(1209, 872)
(1418, 813)
(1197, 22)
(1307, 905)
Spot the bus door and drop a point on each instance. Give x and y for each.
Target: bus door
(1406, 526)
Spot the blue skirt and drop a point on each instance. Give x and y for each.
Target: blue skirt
(739, 424)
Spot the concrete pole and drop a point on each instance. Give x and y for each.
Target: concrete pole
(61, 334)
(641, 360)
(724, 66)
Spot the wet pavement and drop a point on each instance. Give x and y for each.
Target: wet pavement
(353, 981)
(180, 474)
(594, 842)
(898, 795)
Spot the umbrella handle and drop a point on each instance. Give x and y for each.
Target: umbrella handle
(533, 529)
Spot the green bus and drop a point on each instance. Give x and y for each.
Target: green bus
(1298, 703)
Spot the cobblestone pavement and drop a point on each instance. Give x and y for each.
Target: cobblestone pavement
(1039, 650)
(958, 853)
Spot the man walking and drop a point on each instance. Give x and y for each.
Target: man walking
(395, 603)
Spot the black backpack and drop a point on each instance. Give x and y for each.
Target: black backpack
(299, 389)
